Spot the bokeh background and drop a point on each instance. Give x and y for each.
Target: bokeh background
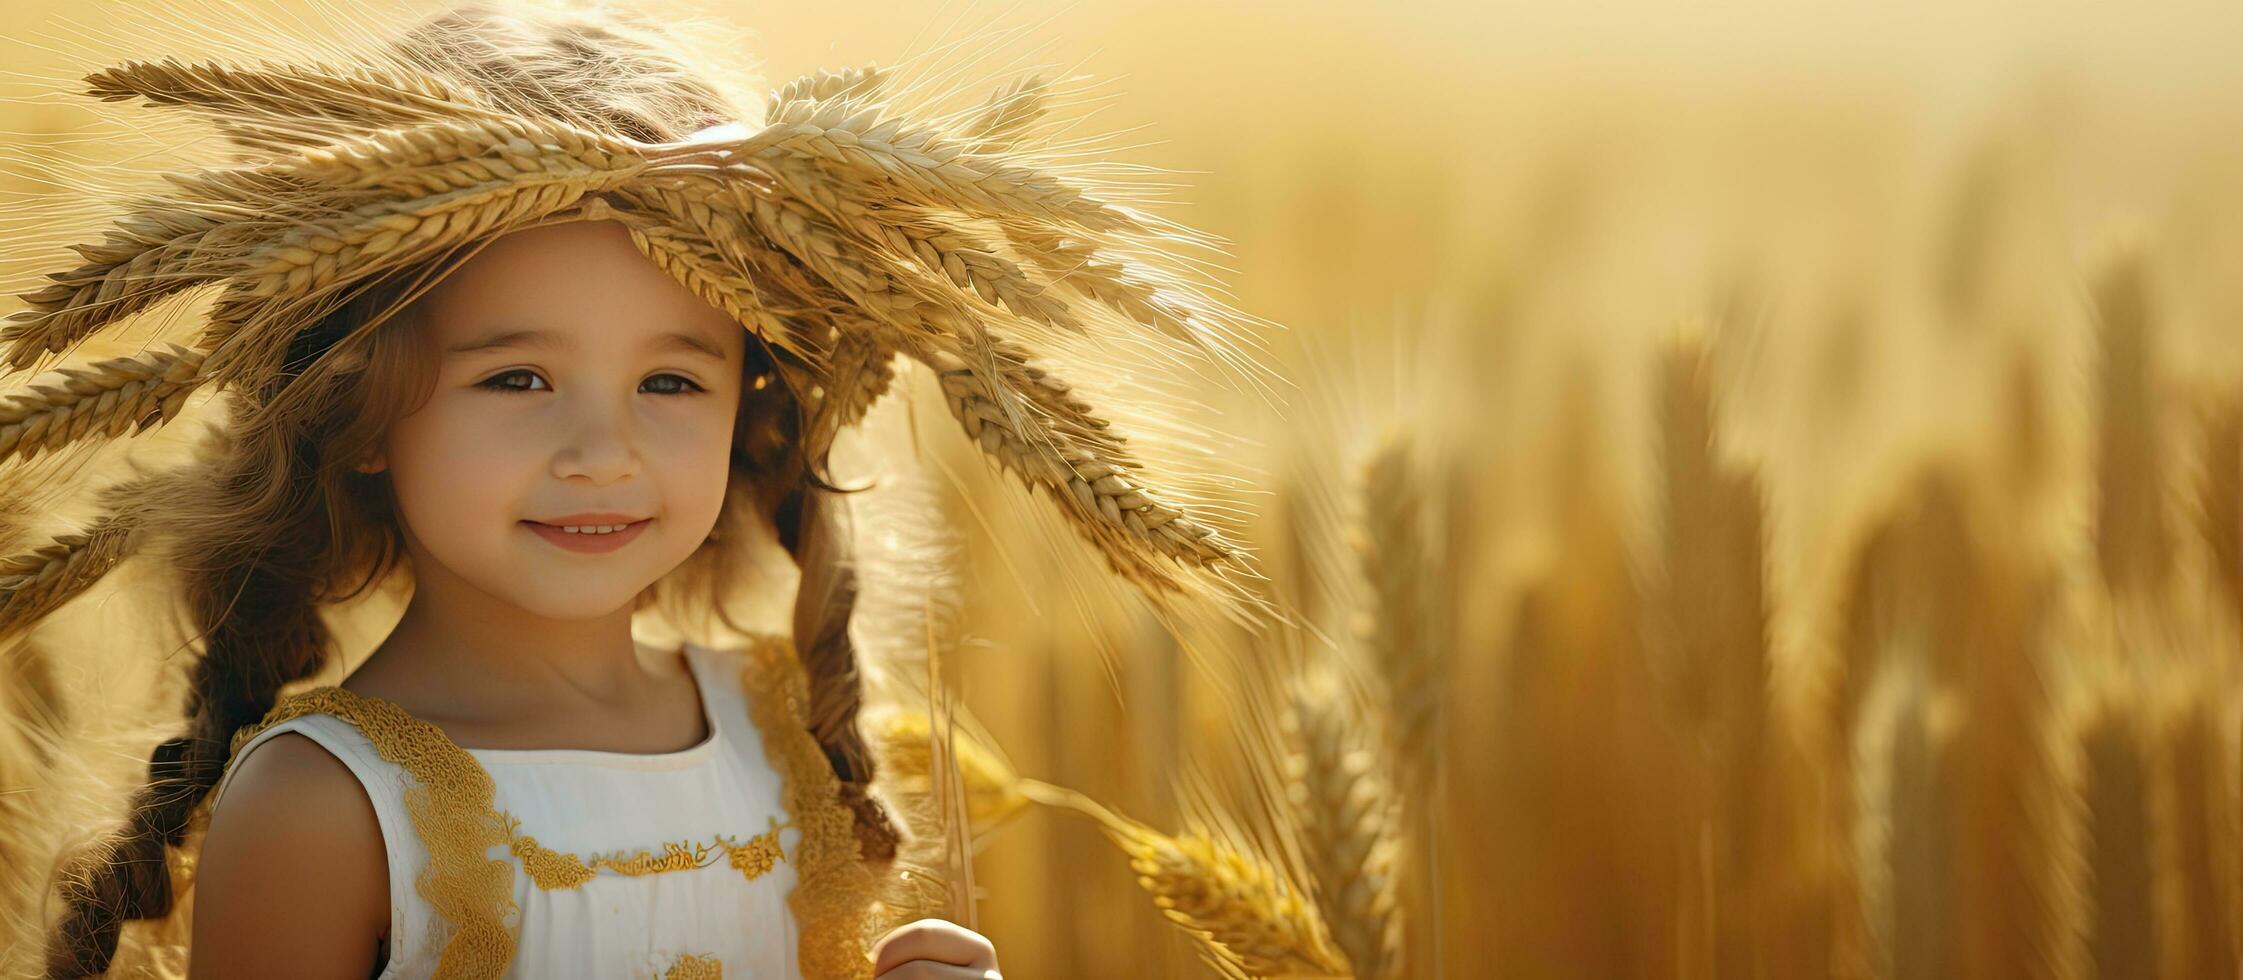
(1765, 478)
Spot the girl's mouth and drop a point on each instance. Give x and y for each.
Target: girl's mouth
(588, 542)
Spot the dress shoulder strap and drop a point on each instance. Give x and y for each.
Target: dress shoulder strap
(450, 804)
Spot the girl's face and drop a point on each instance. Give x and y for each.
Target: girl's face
(574, 378)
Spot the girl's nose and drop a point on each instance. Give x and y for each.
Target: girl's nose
(600, 446)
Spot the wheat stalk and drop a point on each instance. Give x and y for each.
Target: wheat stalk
(838, 279)
(1710, 652)
(1918, 911)
(943, 245)
(1243, 911)
(822, 249)
(1061, 409)
(1092, 490)
(107, 397)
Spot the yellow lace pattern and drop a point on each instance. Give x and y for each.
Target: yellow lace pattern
(552, 869)
(834, 894)
(691, 967)
(451, 806)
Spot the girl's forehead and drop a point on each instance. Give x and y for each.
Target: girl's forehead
(577, 275)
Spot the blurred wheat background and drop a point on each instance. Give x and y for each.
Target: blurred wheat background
(1761, 492)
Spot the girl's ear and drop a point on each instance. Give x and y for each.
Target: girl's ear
(372, 462)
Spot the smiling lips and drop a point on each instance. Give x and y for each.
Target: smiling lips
(594, 533)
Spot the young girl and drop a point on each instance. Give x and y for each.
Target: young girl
(483, 325)
(571, 445)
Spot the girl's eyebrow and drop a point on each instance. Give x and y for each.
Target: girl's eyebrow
(547, 340)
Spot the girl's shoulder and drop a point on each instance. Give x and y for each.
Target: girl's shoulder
(348, 726)
(302, 848)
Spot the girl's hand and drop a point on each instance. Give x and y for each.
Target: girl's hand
(931, 949)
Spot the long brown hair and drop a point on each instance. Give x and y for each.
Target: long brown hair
(272, 521)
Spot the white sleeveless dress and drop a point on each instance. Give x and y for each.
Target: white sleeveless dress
(713, 920)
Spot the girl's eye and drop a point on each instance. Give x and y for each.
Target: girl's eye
(685, 387)
(494, 384)
(497, 383)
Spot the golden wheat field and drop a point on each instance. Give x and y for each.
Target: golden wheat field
(1749, 490)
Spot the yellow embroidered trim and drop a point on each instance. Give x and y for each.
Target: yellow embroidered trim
(834, 891)
(691, 967)
(552, 869)
(450, 805)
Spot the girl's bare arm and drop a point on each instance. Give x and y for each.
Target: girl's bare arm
(293, 880)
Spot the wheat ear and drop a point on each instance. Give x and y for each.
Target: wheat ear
(2192, 816)
(312, 259)
(107, 398)
(2122, 867)
(124, 281)
(998, 124)
(784, 288)
(825, 279)
(1390, 547)
(2219, 495)
(828, 222)
(2132, 541)
(1242, 911)
(858, 372)
(1089, 481)
(929, 168)
(159, 247)
(271, 107)
(695, 263)
(971, 262)
(1095, 490)
(993, 793)
(318, 255)
(35, 584)
(442, 156)
(1350, 822)
(1130, 286)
